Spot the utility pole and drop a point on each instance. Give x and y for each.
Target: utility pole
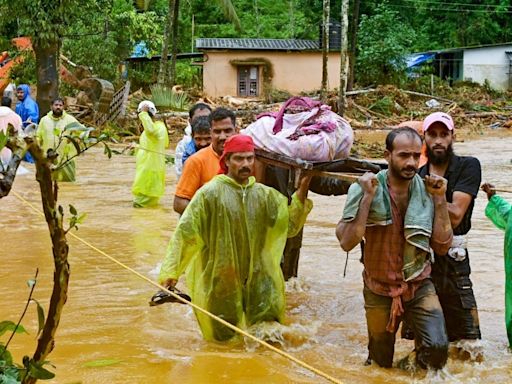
(342, 96)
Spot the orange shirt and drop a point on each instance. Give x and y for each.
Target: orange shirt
(199, 169)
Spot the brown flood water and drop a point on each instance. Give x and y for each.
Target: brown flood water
(107, 316)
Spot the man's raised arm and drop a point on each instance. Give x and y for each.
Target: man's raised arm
(351, 233)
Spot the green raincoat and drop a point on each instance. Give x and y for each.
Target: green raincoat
(230, 240)
(498, 210)
(48, 133)
(149, 183)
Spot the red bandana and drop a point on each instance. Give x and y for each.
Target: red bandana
(236, 143)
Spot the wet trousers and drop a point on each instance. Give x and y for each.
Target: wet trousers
(423, 313)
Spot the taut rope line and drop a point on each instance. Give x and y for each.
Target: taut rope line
(222, 321)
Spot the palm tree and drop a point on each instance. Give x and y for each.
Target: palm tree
(171, 33)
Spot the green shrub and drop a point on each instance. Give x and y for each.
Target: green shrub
(165, 97)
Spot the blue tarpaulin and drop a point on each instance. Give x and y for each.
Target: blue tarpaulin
(418, 58)
(140, 50)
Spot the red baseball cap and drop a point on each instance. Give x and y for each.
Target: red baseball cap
(438, 117)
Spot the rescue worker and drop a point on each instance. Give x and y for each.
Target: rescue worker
(402, 219)
(197, 110)
(499, 212)
(203, 165)
(28, 110)
(451, 271)
(26, 107)
(230, 240)
(149, 183)
(50, 133)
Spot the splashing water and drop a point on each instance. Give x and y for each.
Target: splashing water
(291, 337)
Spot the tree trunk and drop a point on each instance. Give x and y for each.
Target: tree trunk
(342, 97)
(174, 37)
(162, 71)
(353, 44)
(325, 49)
(47, 74)
(54, 219)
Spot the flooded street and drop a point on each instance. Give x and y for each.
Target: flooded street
(109, 334)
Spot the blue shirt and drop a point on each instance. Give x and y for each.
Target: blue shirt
(190, 149)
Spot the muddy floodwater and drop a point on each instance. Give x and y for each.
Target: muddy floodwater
(109, 334)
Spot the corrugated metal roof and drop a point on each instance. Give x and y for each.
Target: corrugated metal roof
(257, 44)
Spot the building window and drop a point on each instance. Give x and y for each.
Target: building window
(248, 80)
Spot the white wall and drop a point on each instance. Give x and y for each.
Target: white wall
(489, 63)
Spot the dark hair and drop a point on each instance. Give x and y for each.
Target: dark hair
(201, 125)
(6, 101)
(221, 114)
(198, 106)
(411, 133)
(58, 99)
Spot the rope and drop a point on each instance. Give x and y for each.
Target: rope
(126, 147)
(204, 311)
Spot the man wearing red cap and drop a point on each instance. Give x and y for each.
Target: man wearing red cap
(230, 240)
(450, 272)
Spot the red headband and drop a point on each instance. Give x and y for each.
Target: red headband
(236, 143)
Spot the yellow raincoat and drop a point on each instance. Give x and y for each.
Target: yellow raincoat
(149, 183)
(230, 240)
(48, 133)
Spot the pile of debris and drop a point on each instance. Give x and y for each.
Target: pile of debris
(474, 108)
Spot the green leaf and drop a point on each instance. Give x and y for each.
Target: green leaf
(40, 316)
(9, 326)
(102, 363)
(31, 283)
(5, 357)
(73, 210)
(81, 218)
(10, 375)
(3, 139)
(38, 372)
(107, 151)
(75, 126)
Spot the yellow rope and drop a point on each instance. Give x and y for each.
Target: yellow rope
(222, 321)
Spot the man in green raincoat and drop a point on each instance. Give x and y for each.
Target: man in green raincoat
(230, 240)
(499, 212)
(149, 183)
(50, 134)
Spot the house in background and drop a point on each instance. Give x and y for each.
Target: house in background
(255, 67)
(487, 62)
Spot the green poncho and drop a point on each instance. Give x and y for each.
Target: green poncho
(48, 134)
(149, 183)
(230, 240)
(498, 210)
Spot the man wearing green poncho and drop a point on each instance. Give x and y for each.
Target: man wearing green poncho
(499, 212)
(50, 136)
(149, 183)
(230, 240)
